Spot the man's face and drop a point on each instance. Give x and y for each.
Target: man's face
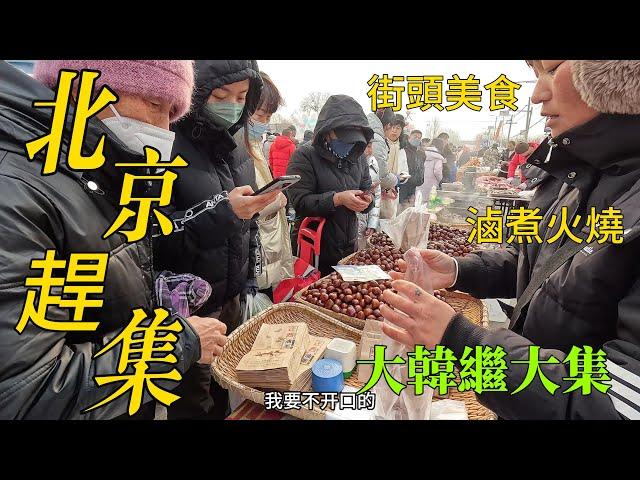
(148, 110)
(415, 136)
(393, 132)
(560, 100)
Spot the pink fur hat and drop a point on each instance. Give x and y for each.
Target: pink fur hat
(170, 80)
(609, 86)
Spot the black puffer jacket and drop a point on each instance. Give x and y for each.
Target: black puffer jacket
(415, 161)
(592, 299)
(46, 374)
(323, 175)
(210, 241)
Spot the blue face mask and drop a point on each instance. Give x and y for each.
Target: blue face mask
(225, 114)
(415, 142)
(256, 130)
(339, 148)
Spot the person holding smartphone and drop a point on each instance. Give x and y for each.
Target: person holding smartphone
(217, 237)
(272, 221)
(335, 183)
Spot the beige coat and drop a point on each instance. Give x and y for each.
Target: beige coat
(274, 230)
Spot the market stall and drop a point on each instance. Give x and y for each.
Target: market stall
(334, 309)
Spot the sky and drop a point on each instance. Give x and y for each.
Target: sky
(297, 78)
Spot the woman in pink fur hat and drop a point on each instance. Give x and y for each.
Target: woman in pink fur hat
(49, 374)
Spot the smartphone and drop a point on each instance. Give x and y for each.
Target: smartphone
(280, 183)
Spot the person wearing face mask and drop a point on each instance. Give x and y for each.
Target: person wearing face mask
(272, 222)
(224, 250)
(335, 182)
(50, 374)
(571, 293)
(415, 164)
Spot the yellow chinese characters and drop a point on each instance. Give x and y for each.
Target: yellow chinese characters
(487, 229)
(146, 204)
(82, 111)
(525, 224)
(425, 92)
(144, 341)
(464, 92)
(605, 225)
(503, 93)
(385, 95)
(85, 276)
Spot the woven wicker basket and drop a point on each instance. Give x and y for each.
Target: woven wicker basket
(241, 340)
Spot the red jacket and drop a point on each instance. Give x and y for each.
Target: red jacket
(518, 159)
(279, 155)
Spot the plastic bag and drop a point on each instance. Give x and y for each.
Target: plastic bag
(410, 228)
(407, 405)
(254, 304)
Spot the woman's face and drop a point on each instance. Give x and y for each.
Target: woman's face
(393, 132)
(261, 116)
(231, 93)
(560, 100)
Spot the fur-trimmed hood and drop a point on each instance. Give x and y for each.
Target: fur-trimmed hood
(609, 86)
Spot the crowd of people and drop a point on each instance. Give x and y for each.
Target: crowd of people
(355, 169)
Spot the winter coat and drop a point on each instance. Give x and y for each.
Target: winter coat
(372, 219)
(432, 172)
(220, 247)
(266, 146)
(323, 175)
(272, 222)
(381, 152)
(415, 164)
(50, 374)
(592, 299)
(279, 155)
(491, 158)
(517, 160)
(389, 204)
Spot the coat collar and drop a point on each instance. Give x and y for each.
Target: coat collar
(607, 144)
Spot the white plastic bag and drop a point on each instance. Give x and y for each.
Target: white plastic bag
(407, 405)
(410, 228)
(254, 304)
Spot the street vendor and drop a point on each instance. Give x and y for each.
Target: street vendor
(571, 293)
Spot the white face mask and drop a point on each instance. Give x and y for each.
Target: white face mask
(136, 135)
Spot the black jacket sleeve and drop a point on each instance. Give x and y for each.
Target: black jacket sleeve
(48, 374)
(365, 185)
(620, 401)
(489, 273)
(209, 224)
(306, 201)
